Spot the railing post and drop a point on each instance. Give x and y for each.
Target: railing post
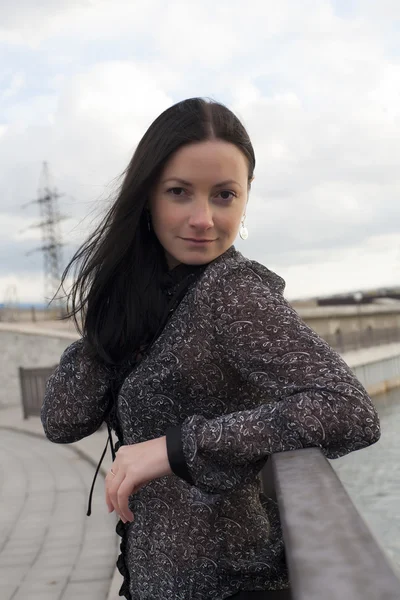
(23, 392)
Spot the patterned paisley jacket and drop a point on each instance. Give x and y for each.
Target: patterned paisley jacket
(235, 376)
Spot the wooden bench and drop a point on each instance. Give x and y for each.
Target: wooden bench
(33, 385)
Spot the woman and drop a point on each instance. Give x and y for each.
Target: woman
(212, 370)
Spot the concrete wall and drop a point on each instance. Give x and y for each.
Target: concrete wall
(38, 347)
(377, 368)
(19, 349)
(326, 320)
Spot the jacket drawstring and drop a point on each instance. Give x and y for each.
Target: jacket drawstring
(173, 303)
(109, 439)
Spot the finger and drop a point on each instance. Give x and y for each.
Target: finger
(110, 475)
(108, 499)
(113, 491)
(124, 491)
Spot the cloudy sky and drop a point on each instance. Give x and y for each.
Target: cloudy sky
(316, 83)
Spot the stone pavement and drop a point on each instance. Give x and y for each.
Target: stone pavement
(49, 548)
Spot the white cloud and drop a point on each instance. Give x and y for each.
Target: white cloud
(16, 84)
(371, 265)
(319, 95)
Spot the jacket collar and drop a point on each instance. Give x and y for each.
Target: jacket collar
(172, 278)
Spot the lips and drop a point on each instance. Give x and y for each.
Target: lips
(197, 240)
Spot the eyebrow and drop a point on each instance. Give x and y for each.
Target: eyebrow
(188, 184)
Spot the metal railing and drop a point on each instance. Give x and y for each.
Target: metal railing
(32, 314)
(366, 338)
(33, 385)
(330, 551)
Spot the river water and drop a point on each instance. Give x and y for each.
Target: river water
(372, 479)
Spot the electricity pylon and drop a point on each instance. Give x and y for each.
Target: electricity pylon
(51, 236)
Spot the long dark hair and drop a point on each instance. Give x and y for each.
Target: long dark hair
(116, 286)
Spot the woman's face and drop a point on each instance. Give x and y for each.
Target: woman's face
(199, 200)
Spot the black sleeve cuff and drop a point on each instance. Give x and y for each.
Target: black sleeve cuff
(176, 457)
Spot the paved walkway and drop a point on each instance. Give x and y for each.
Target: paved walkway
(49, 548)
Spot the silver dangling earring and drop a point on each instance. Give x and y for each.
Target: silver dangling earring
(148, 220)
(243, 231)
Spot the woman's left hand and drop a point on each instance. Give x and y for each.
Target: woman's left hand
(134, 466)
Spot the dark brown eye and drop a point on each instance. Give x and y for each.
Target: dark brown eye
(174, 189)
(229, 198)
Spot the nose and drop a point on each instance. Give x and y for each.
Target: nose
(201, 216)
